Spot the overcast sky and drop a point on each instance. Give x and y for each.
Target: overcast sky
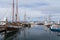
(33, 8)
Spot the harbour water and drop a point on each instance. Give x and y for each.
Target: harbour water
(35, 32)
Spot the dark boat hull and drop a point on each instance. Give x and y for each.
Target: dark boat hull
(55, 30)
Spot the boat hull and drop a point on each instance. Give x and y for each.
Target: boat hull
(55, 30)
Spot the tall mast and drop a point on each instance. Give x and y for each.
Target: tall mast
(49, 17)
(13, 12)
(16, 10)
(25, 16)
(45, 19)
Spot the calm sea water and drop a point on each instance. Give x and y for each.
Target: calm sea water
(35, 32)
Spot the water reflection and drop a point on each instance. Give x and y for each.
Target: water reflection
(11, 35)
(24, 33)
(31, 33)
(14, 34)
